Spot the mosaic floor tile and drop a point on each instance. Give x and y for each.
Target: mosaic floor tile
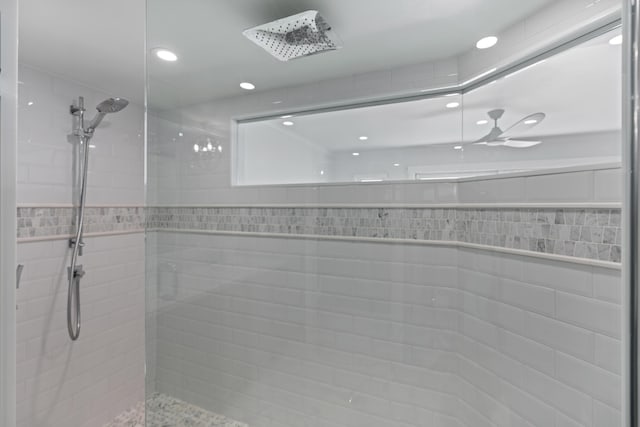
(166, 411)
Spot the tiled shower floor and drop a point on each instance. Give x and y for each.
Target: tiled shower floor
(165, 411)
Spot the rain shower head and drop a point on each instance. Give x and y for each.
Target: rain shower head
(295, 36)
(111, 105)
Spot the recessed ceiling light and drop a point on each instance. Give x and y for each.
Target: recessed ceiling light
(30, 103)
(530, 122)
(321, 172)
(453, 105)
(196, 147)
(617, 40)
(363, 138)
(288, 116)
(482, 122)
(458, 147)
(487, 42)
(165, 54)
(355, 154)
(287, 123)
(180, 134)
(247, 86)
(396, 164)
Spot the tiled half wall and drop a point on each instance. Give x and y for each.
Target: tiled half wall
(591, 233)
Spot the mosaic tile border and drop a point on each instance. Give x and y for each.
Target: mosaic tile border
(592, 233)
(586, 233)
(162, 411)
(46, 222)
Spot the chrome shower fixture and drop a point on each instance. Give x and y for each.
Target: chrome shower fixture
(76, 272)
(295, 36)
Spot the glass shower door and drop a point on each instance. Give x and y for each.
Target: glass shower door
(384, 213)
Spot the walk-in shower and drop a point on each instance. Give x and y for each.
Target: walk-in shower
(84, 135)
(413, 228)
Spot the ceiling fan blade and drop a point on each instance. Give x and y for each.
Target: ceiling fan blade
(524, 125)
(520, 143)
(491, 136)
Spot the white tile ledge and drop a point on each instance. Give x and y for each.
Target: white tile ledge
(68, 236)
(497, 249)
(580, 205)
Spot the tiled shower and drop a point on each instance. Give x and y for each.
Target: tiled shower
(301, 255)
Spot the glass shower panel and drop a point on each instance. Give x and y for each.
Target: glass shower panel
(338, 240)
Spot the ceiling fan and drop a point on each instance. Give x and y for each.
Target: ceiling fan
(499, 138)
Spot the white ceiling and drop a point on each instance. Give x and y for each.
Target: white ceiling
(579, 91)
(101, 43)
(97, 43)
(215, 56)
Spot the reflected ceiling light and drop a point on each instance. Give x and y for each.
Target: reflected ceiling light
(321, 172)
(247, 86)
(165, 54)
(196, 147)
(458, 147)
(396, 164)
(180, 134)
(617, 40)
(453, 94)
(363, 138)
(288, 116)
(355, 154)
(453, 105)
(287, 123)
(482, 122)
(487, 42)
(30, 103)
(371, 180)
(530, 122)
(277, 102)
(479, 76)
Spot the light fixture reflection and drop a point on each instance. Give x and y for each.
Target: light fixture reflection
(165, 54)
(487, 42)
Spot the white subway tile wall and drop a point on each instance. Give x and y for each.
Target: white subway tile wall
(45, 147)
(285, 332)
(88, 382)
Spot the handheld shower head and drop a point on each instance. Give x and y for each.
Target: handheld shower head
(111, 105)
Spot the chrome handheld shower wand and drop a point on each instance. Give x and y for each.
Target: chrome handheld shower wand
(76, 272)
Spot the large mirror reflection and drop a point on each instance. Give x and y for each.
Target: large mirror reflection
(560, 111)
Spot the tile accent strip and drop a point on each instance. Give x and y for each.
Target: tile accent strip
(47, 222)
(591, 233)
(583, 233)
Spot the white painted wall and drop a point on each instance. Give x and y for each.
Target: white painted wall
(88, 382)
(283, 157)
(442, 161)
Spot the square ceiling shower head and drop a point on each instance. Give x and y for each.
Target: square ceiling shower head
(295, 36)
